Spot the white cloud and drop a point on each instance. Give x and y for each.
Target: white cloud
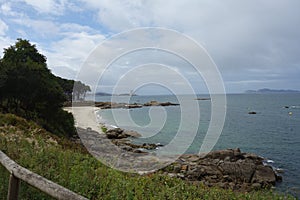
(55, 7)
(65, 45)
(6, 9)
(3, 28)
(70, 52)
(253, 34)
(43, 28)
(121, 15)
(69, 28)
(5, 42)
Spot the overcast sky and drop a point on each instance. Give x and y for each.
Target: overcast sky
(254, 43)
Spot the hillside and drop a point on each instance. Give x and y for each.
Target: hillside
(68, 164)
(270, 91)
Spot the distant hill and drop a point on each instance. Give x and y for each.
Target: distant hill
(108, 94)
(127, 94)
(103, 94)
(266, 90)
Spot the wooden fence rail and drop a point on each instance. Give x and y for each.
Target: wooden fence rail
(18, 173)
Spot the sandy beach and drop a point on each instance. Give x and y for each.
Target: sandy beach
(85, 117)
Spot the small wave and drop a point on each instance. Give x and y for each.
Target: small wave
(269, 161)
(110, 126)
(295, 107)
(279, 170)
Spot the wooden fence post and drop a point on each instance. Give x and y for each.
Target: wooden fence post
(19, 173)
(13, 188)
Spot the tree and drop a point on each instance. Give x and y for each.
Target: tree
(67, 86)
(80, 90)
(30, 90)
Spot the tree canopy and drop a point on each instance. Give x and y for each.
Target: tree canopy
(80, 90)
(29, 89)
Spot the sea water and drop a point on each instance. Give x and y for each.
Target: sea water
(273, 132)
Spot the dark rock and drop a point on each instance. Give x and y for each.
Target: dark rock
(278, 178)
(121, 138)
(126, 148)
(202, 99)
(169, 104)
(256, 186)
(238, 171)
(252, 113)
(184, 168)
(264, 175)
(113, 105)
(135, 105)
(131, 133)
(116, 133)
(228, 168)
(156, 103)
(227, 178)
(222, 154)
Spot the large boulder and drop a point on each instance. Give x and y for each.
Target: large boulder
(131, 133)
(116, 133)
(228, 168)
(241, 171)
(264, 175)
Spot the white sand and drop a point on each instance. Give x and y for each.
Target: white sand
(85, 117)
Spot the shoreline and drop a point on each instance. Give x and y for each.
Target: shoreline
(228, 169)
(85, 117)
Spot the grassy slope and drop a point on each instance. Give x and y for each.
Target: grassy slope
(71, 166)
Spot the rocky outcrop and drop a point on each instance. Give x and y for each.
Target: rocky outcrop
(121, 138)
(112, 105)
(202, 99)
(137, 148)
(156, 103)
(118, 133)
(228, 169)
(225, 168)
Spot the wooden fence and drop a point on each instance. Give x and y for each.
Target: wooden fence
(18, 173)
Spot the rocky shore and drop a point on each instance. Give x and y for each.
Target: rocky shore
(113, 105)
(121, 138)
(228, 169)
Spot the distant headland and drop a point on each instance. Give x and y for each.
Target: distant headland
(108, 94)
(269, 91)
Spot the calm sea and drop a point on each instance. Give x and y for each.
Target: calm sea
(273, 132)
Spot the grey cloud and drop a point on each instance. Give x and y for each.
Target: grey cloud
(253, 42)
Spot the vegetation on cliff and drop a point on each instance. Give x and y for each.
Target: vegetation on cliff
(29, 89)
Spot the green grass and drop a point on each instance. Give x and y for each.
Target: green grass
(71, 166)
(104, 129)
